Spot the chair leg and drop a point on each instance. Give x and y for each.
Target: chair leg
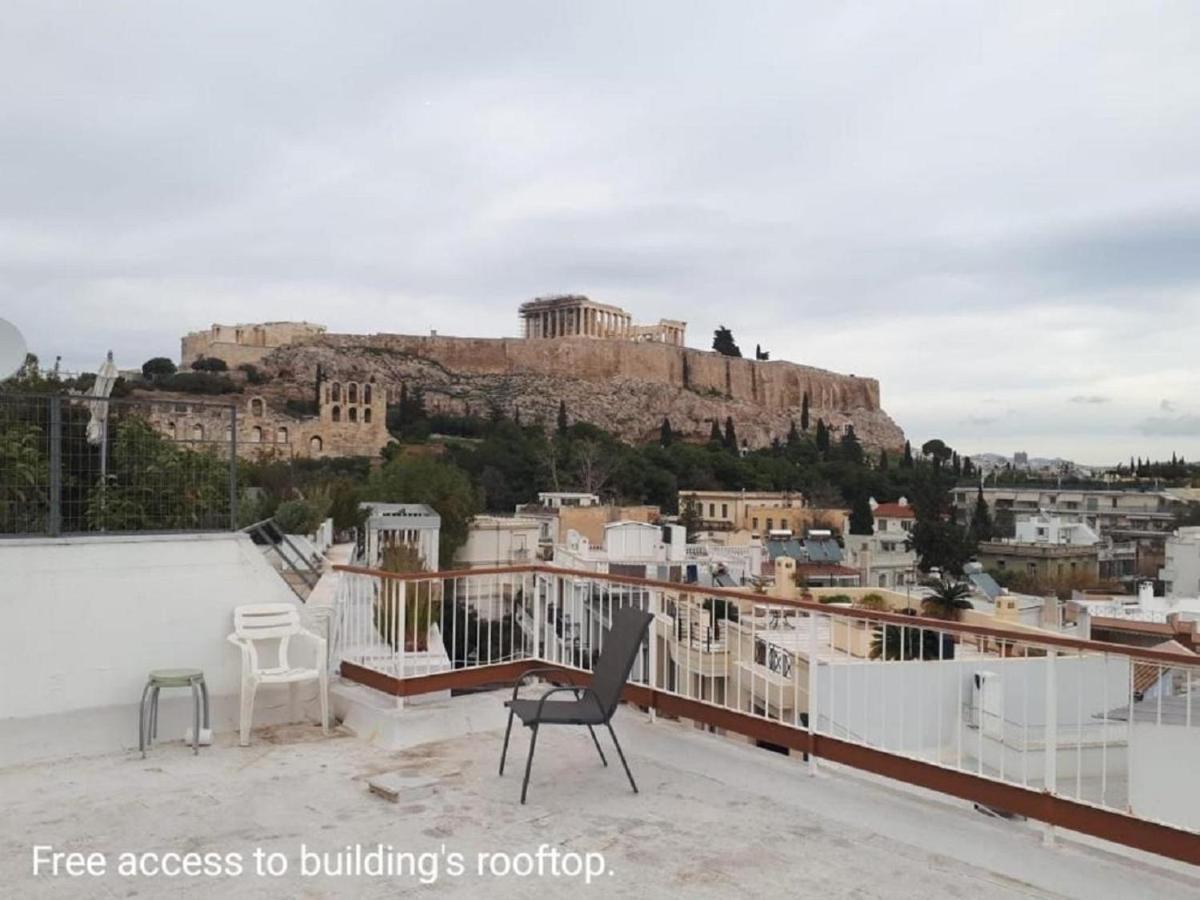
(154, 692)
(204, 698)
(596, 741)
(620, 753)
(195, 718)
(247, 712)
(143, 720)
(323, 689)
(507, 732)
(529, 763)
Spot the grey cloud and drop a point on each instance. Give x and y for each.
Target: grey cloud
(1090, 399)
(825, 180)
(1166, 406)
(1178, 426)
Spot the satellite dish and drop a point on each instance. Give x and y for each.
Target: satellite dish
(12, 349)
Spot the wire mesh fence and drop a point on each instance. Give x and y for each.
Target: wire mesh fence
(75, 464)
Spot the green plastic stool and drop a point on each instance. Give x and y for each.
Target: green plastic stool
(172, 678)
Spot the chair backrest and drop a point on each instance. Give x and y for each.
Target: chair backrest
(265, 621)
(621, 645)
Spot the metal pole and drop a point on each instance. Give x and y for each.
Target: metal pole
(54, 514)
(233, 490)
(1050, 742)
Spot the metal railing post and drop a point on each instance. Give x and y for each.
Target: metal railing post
(1050, 759)
(233, 465)
(812, 693)
(399, 620)
(54, 513)
(654, 601)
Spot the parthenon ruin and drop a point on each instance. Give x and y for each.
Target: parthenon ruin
(577, 316)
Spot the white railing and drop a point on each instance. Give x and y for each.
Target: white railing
(1108, 726)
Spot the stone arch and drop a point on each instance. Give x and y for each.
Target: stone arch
(353, 413)
(197, 432)
(171, 430)
(315, 443)
(256, 435)
(352, 392)
(367, 394)
(256, 406)
(336, 414)
(281, 434)
(336, 392)
(367, 415)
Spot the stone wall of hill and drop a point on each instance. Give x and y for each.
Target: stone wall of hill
(623, 386)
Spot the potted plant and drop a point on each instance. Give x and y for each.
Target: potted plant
(422, 601)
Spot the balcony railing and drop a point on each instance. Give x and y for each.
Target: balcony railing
(1093, 737)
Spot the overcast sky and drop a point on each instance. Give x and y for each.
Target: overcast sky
(995, 211)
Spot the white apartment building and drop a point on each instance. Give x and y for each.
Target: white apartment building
(1120, 515)
(1180, 573)
(494, 541)
(1043, 528)
(629, 548)
(884, 558)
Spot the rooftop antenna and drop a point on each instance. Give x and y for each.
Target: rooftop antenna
(12, 349)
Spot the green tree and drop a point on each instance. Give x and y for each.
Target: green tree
(209, 364)
(906, 461)
(156, 366)
(862, 520)
(443, 485)
(665, 435)
(883, 461)
(822, 436)
(804, 412)
(849, 448)
(937, 450)
(723, 342)
(948, 600)
(793, 436)
(981, 519)
(563, 422)
(902, 642)
(730, 440)
(714, 433)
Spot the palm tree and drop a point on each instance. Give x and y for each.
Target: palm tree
(905, 641)
(948, 599)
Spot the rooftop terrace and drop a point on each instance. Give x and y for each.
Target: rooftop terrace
(715, 817)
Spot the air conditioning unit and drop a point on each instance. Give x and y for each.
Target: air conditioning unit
(987, 704)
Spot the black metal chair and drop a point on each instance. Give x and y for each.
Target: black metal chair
(594, 704)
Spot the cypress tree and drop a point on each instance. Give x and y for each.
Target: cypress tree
(714, 434)
(906, 462)
(730, 435)
(793, 436)
(822, 436)
(862, 520)
(883, 461)
(804, 413)
(665, 435)
(562, 417)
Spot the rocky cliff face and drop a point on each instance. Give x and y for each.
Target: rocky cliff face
(625, 387)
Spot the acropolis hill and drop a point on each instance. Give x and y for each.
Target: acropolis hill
(623, 377)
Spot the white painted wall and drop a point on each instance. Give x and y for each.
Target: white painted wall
(916, 706)
(1160, 785)
(83, 620)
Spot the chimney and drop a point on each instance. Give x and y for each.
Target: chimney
(785, 578)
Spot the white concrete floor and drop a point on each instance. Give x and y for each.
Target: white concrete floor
(715, 818)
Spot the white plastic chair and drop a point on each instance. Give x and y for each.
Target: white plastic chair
(281, 622)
